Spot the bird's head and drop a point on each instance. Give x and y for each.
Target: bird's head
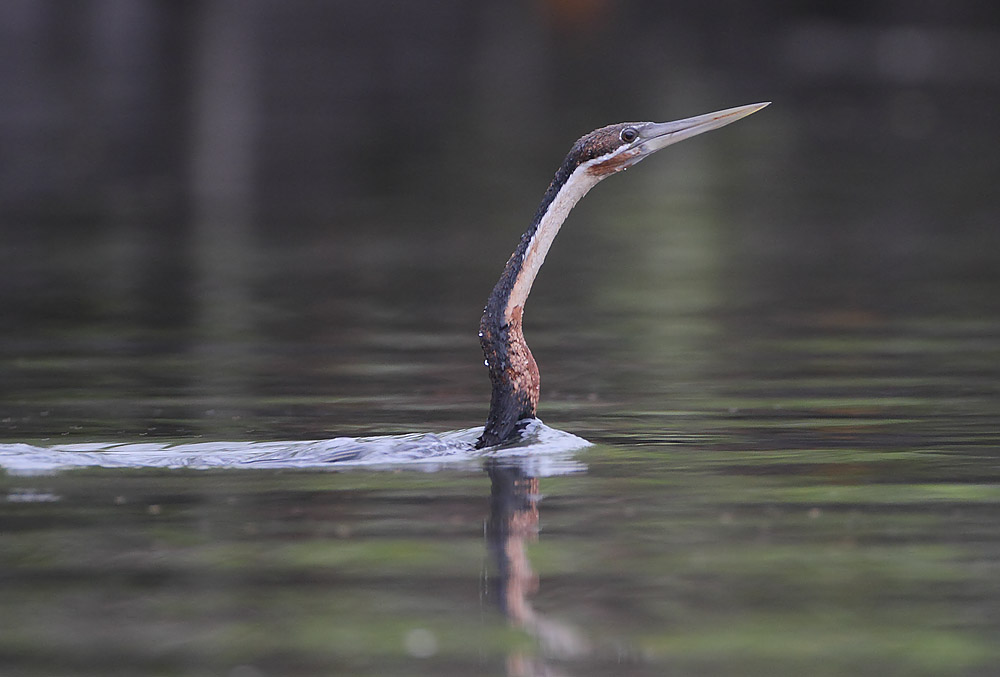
(614, 148)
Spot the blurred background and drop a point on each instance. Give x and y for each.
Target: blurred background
(281, 219)
(242, 220)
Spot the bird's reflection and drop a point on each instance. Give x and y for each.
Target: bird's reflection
(511, 525)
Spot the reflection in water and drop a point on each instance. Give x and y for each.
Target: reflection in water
(511, 525)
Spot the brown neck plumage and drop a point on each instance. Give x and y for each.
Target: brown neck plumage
(513, 372)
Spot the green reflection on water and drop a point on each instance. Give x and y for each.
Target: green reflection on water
(690, 558)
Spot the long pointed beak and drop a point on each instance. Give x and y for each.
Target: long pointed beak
(657, 135)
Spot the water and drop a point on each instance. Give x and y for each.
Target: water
(770, 356)
(685, 556)
(786, 479)
(538, 447)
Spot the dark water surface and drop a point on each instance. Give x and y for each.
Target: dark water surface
(782, 339)
(795, 471)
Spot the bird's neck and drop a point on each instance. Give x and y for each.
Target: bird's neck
(513, 372)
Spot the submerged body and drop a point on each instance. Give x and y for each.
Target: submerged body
(603, 152)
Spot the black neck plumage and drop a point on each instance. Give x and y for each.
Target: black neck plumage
(513, 372)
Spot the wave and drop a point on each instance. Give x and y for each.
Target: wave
(541, 450)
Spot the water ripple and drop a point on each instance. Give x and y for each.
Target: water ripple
(548, 451)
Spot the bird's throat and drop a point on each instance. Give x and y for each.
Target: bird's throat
(545, 231)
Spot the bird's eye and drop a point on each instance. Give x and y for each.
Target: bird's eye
(629, 135)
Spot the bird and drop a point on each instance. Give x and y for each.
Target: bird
(595, 156)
